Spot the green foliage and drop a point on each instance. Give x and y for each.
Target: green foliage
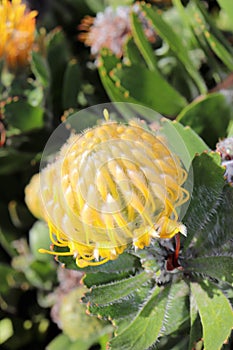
(215, 312)
(186, 75)
(203, 117)
(175, 43)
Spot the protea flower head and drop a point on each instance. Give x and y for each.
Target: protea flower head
(17, 30)
(111, 29)
(112, 186)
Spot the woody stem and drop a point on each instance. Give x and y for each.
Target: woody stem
(176, 254)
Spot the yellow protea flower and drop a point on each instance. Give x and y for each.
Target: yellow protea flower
(17, 30)
(112, 186)
(32, 197)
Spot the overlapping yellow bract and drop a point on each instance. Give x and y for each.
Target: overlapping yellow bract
(17, 31)
(112, 186)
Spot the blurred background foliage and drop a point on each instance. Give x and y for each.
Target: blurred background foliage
(175, 57)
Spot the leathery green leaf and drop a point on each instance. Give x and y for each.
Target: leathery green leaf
(215, 312)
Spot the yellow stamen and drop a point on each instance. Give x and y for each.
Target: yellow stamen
(45, 251)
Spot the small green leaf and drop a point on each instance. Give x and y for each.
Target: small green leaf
(108, 293)
(35, 96)
(6, 330)
(215, 312)
(71, 84)
(58, 53)
(22, 116)
(39, 238)
(147, 326)
(41, 274)
(40, 68)
(208, 116)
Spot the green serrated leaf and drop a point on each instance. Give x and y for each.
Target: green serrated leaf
(111, 292)
(147, 326)
(215, 312)
(177, 307)
(219, 267)
(208, 116)
(208, 185)
(71, 84)
(216, 235)
(167, 33)
(96, 279)
(122, 309)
